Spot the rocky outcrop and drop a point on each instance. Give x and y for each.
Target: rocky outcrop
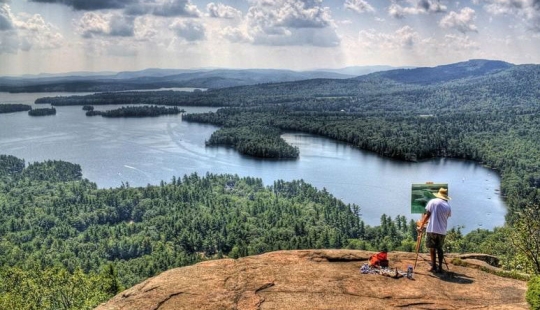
(320, 279)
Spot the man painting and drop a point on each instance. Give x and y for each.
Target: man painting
(437, 212)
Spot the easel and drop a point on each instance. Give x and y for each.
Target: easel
(419, 241)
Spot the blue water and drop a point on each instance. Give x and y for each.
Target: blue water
(147, 150)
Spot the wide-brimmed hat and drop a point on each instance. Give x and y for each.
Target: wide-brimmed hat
(443, 194)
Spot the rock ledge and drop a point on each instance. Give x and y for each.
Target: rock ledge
(320, 279)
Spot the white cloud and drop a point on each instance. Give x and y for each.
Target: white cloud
(403, 38)
(462, 21)
(189, 30)
(235, 35)
(406, 45)
(26, 32)
(94, 24)
(498, 7)
(301, 14)
(291, 22)
(358, 6)
(529, 10)
(458, 43)
(38, 33)
(176, 8)
(415, 7)
(147, 28)
(222, 11)
(406, 37)
(396, 11)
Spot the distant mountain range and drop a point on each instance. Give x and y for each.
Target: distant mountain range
(167, 78)
(445, 73)
(223, 78)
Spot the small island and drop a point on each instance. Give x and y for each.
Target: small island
(258, 141)
(10, 108)
(88, 108)
(42, 112)
(131, 111)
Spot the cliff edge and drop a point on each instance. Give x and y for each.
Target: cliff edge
(322, 279)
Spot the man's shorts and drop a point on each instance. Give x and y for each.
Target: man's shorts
(434, 240)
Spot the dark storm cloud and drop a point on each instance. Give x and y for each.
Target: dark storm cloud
(536, 5)
(431, 6)
(6, 22)
(90, 5)
(166, 8)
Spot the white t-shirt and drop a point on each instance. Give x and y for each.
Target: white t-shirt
(440, 212)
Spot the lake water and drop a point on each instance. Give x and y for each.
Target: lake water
(147, 150)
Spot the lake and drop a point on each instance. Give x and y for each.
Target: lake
(145, 151)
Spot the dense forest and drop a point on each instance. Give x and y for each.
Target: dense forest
(42, 112)
(59, 229)
(10, 108)
(130, 111)
(492, 119)
(484, 111)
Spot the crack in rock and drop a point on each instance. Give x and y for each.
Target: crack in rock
(265, 286)
(166, 299)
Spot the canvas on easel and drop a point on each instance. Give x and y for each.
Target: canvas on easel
(421, 193)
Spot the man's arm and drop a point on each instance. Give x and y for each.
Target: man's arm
(423, 221)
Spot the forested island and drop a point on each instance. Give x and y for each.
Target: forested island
(255, 140)
(42, 112)
(60, 229)
(130, 111)
(10, 108)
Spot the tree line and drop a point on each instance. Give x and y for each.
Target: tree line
(10, 108)
(60, 229)
(42, 112)
(133, 111)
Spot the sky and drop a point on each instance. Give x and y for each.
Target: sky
(56, 36)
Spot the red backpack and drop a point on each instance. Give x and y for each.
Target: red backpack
(378, 260)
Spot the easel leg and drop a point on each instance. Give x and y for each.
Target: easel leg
(418, 245)
(444, 259)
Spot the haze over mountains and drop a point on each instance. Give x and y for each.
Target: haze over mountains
(223, 78)
(163, 78)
